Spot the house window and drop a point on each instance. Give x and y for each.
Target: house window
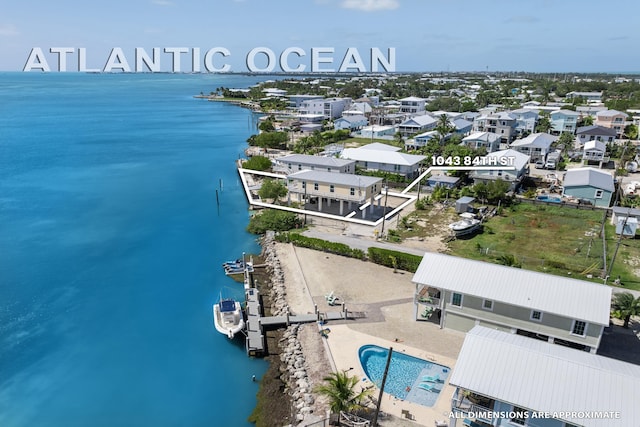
(315, 186)
(352, 191)
(299, 167)
(536, 315)
(487, 304)
(332, 188)
(599, 194)
(579, 328)
(456, 299)
(289, 166)
(328, 169)
(518, 416)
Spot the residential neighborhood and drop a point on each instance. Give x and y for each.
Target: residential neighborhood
(530, 198)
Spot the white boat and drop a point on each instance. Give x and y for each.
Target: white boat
(227, 317)
(631, 189)
(464, 226)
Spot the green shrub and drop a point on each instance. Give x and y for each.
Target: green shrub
(320, 245)
(393, 236)
(272, 219)
(403, 261)
(257, 163)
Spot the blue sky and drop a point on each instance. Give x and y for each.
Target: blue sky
(428, 35)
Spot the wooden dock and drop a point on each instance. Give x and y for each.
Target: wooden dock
(255, 344)
(257, 324)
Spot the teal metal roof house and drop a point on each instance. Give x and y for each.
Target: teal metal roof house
(589, 184)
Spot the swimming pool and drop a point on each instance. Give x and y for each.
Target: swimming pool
(549, 199)
(407, 377)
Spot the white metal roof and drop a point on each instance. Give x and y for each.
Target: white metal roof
(609, 113)
(380, 146)
(520, 160)
(422, 120)
(565, 113)
(482, 136)
(412, 99)
(541, 140)
(381, 156)
(307, 159)
(595, 145)
(548, 293)
(335, 178)
(588, 176)
(540, 376)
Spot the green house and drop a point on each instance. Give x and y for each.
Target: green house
(589, 185)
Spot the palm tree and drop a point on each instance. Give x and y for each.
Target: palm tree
(544, 125)
(444, 127)
(587, 121)
(340, 389)
(624, 305)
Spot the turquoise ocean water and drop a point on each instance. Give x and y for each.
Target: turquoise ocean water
(110, 250)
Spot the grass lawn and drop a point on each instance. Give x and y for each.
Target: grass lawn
(555, 240)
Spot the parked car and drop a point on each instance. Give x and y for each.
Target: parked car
(539, 164)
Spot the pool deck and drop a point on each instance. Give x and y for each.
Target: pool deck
(344, 344)
(387, 300)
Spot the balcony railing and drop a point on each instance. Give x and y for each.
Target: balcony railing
(428, 300)
(465, 406)
(336, 196)
(595, 157)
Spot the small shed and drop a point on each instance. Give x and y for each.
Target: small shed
(627, 226)
(463, 204)
(619, 212)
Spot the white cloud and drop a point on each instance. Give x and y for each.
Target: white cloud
(8, 30)
(371, 5)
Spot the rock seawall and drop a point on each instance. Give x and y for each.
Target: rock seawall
(293, 363)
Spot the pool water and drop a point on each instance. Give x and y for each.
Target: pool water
(405, 376)
(549, 199)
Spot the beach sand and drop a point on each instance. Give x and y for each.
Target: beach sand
(386, 298)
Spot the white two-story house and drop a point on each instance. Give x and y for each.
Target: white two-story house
(536, 145)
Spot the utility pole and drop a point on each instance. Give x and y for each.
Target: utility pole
(615, 253)
(384, 380)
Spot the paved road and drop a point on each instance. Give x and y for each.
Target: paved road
(360, 242)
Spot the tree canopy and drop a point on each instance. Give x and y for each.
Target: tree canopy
(269, 139)
(272, 189)
(624, 305)
(340, 389)
(272, 219)
(257, 163)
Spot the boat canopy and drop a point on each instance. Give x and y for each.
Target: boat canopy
(227, 305)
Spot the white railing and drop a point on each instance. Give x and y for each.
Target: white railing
(336, 196)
